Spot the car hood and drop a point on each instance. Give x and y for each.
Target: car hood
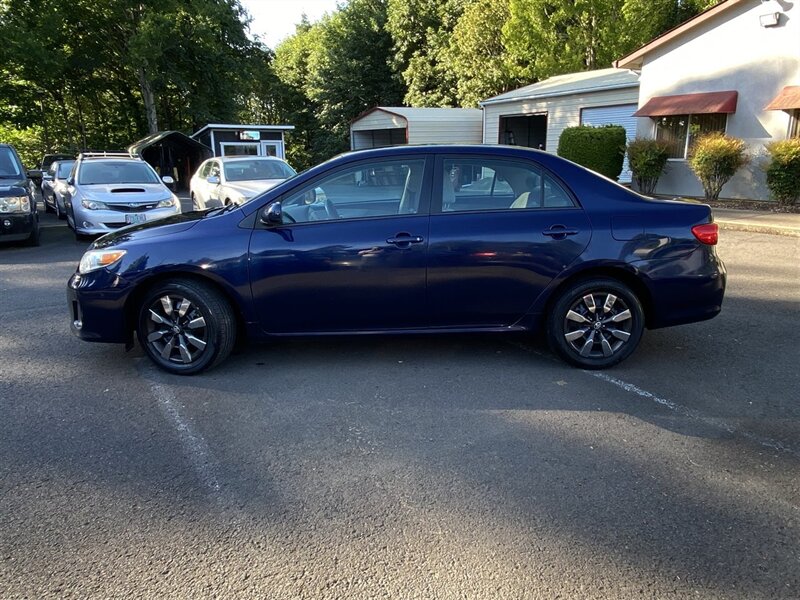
(150, 229)
(126, 192)
(11, 187)
(248, 189)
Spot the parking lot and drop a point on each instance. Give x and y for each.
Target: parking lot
(420, 467)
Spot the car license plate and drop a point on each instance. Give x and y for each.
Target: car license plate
(135, 218)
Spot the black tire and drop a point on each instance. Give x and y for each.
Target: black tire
(47, 207)
(35, 238)
(60, 215)
(182, 334)
(595, 323)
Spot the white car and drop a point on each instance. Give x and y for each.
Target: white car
(236, 179)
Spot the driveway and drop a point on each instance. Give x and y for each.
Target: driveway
(422, 467)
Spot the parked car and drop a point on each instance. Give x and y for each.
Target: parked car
(108, 191)
(236, 179)
(19, 219)
(54, 186)
(37, 175)
(392, 247)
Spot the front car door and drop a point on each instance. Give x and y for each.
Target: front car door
(350, 254)
(501, 230)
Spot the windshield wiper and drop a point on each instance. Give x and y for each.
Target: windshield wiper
(222, 209)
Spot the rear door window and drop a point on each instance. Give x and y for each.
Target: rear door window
(477, 184)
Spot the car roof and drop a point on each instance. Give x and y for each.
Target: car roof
(225, 159)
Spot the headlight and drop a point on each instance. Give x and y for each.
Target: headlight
(168, 203)
(93, 204)
(14, 204)
(98, 259)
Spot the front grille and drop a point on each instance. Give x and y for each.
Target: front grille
(134, 208)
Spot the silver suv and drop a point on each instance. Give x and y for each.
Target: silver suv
(107, 191)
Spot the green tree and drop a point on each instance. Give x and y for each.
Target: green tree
(477, 56)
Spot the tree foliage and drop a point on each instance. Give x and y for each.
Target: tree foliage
(99, 74)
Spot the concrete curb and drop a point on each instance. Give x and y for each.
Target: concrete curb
(751, 228)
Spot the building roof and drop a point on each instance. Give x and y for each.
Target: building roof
(634, 59)
(174, 136)
(571, 83)
(237, 126)
(787, 99)
(408, 112)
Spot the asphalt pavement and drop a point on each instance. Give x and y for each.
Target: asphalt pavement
(418, 467)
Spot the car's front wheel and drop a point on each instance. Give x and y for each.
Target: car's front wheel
(186, 326)
(595, 323)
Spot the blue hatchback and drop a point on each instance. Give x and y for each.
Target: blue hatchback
(408, 240)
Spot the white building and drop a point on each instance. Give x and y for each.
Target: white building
(393, 125)
(535, 115)
(731, 68)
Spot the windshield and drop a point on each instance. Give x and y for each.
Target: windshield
(116, 171)
(255, 169)
(64, 168)
(9, 167)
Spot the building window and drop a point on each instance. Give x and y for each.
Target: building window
(794, 123)
(681, 131)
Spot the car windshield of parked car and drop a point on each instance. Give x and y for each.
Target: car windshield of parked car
(117, 171)
(8, 164)
(256, 169)
(64, 168)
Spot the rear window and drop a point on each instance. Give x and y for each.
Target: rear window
(9, 167)
(116, 171)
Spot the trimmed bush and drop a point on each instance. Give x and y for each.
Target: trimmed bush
(715, 158)
(647, 159)
(600, 149)
(783, 171)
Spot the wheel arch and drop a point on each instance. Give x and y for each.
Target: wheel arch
(624, 274)
(138, 293)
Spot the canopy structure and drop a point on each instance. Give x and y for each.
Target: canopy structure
(690, 104)
(172, 153)
(787, 99)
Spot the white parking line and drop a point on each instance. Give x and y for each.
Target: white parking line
(694, 415)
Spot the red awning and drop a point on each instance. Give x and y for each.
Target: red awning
(788, 99)
(689, 104)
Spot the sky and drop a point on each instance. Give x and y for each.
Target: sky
(274, 20)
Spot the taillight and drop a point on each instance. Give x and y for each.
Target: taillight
(708, 233)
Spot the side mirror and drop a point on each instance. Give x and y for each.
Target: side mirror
(273, 214)
(70, 180)
(213, 180)
(168, 180)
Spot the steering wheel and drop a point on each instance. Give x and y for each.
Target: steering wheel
(330, 209)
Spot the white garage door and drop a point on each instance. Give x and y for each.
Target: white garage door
(614, 115)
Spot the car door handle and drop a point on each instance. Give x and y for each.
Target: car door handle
(559, 232)
(403, 240)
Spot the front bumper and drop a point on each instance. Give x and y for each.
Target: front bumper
(99, 222)
(16, 226)
(96, 303)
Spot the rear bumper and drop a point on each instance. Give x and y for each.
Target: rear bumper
(96, 304)
(16, 227)
(687, 290)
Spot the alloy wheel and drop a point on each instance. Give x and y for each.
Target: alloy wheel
(598, 325)
(177, 329)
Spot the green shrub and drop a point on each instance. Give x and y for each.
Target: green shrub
(601, 149)
(647, 159)
(715, 158)
(783, 171)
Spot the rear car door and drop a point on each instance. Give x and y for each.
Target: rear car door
(501, 230)
(350, 254)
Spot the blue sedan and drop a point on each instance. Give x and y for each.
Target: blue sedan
(408, 240)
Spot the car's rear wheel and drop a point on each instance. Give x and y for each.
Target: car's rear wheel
(595, 323)
(186, 326)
